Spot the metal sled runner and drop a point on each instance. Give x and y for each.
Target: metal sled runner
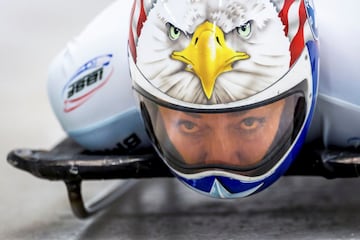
(70, 163)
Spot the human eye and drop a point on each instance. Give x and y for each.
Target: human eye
(251, 124)
(188, 127)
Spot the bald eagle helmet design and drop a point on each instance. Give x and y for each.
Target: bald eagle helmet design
(210, 54)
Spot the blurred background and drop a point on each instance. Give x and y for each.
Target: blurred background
(31, 34)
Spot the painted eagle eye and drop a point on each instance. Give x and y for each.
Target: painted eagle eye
(174, 32)
(244, 30)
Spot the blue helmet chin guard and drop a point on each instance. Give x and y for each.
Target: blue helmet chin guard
(226, 88)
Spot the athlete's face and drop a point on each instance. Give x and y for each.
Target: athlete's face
(237, 139)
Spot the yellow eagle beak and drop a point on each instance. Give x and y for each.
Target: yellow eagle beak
(208, 55)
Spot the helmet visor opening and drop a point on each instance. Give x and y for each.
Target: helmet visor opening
(250, 141)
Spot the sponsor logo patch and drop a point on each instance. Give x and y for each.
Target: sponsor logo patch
(86, 81)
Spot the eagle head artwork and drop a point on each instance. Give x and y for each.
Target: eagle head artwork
(203, 52)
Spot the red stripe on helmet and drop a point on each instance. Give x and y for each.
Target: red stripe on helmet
(139, 20)
(283, 14)
(298, 42)
(132, 44)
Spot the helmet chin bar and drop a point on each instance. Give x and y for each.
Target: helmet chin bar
(72, 164)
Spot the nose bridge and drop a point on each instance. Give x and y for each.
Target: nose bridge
(219, 147)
